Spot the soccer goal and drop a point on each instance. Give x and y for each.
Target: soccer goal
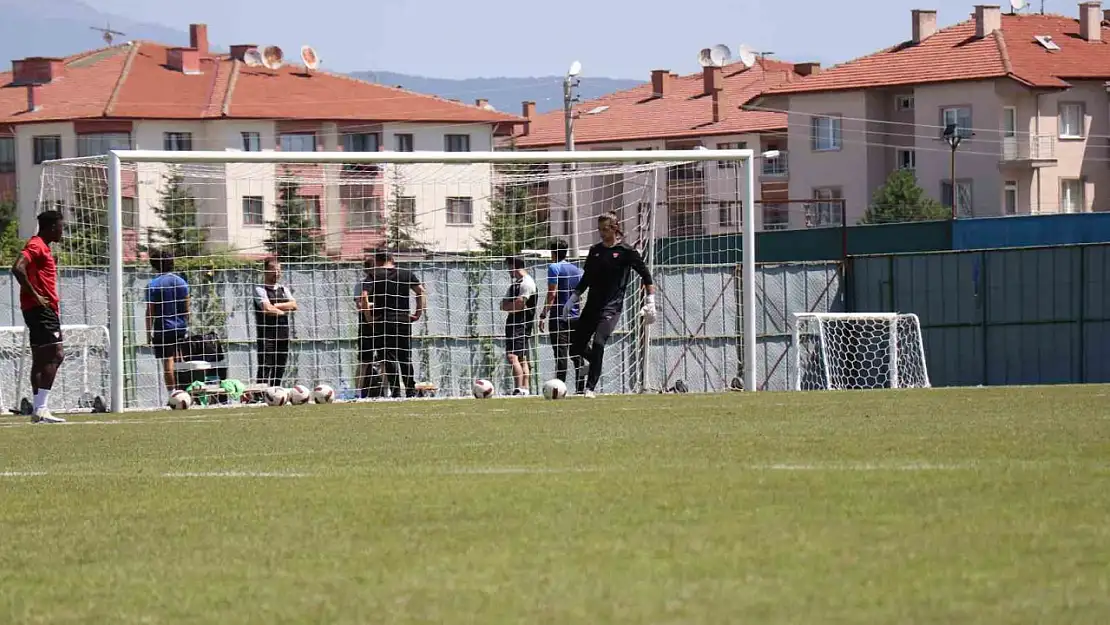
(858, 351)
(448, 218)
(82, 378)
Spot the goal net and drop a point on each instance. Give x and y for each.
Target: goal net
(446, 222)
(858, 351)
(82, 378)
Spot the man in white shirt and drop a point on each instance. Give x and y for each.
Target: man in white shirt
(520, 303)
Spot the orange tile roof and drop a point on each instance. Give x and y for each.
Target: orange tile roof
(684, 111)
(131, 81)
(955, 53)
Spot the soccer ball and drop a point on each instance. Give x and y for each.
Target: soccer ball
(482, 389)
(276, 396)
(299, 394)
(323, 394)
(180, 400)
(554, 389)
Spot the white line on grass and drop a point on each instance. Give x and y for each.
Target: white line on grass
(236, 474)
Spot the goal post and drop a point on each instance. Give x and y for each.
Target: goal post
(858, 351)
(236, 194)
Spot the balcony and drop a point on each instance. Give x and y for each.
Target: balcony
(1029, 150)
(777, 167)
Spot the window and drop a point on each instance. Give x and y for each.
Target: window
(905, 159)
(825, 133)
(130, 213)
(47, 148)
(101, 143)
(460, 211)
(364, 212)
(776, 166)
(963, 196)
(298, 142)
(959, 115)
(456, 143)
(177, 141)
(729, 213)
(1071, 196)
(736, 145)
(685, 218)
(684, 172)
(825, 211)
(406, 210)
(1009, 198)
(252, 210)
(404, 142)
(362, 142)
(904, 103)
(7, 155)
(252, 141)
(1071, 121)
(776, 217)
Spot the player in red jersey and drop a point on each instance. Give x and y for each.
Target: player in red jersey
(37, 274)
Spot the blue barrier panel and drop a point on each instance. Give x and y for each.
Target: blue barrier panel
(1030, 231)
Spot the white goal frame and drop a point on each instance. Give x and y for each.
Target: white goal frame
(22, 366)
(116, 159)
(891, 319)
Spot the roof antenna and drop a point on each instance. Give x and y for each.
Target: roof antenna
(1017, 5)
(107, 32)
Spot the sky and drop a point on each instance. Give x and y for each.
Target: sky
(491, 38)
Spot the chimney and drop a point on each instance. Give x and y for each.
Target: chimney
(1090, 21)
(528, 111)
(807, 69)
(481, 102)
(711, 78)
(33, 98)
(988, 18)
(924, 24)
(36, 70)
(184, 60)
(720, 105)
(1106, 15)
(660, 81)
(240, 49)
(198, 38)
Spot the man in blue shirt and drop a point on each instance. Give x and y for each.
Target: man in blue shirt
(562, 278)
(167, 313)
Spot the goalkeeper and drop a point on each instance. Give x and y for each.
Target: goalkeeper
(606, 275)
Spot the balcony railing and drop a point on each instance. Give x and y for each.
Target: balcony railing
(1026, 147)
(777, 166)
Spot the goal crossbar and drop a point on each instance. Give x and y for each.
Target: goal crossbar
(116, 159)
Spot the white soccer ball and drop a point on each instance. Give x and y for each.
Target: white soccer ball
(299, 394)
(323, 394)
(554, 389)
(276, 396)
(482, 389)
(180, 400)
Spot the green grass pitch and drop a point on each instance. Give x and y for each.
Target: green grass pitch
(965, 506)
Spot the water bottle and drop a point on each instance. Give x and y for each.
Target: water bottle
(345, 392)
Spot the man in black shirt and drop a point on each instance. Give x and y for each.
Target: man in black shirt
(606, 275)
(520, 303)
(273, 311)
(385, 328)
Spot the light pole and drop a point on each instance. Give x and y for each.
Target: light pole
(953, 137)
(570, 83)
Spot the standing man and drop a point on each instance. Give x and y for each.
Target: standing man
(167, 314)
(520, 303)
(385, 308)
(608, 270)
(273, 312)
(37, 274)
(562, 278)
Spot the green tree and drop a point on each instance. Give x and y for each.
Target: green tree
(901, 199)
(181, 231)
(402, 232)
(86, 236)
(10, 241)
(294, 234)
(516, 220)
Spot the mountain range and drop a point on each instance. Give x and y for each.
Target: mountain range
(64, 27)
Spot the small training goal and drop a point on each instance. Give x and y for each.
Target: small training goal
(858, 351)
(82, 378)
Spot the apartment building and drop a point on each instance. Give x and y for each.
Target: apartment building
(673, 112)
(1027, 94)
(145, 95)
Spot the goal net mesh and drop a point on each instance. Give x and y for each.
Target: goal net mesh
(451, 224)
(859, 351)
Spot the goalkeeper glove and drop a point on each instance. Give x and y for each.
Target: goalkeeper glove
(648, 311)
(572, 302)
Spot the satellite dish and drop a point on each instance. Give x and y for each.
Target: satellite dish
(272, 57)
(746, 56)
(1017, 5)
(253, 58)
(719, 55)
(575, 69)
(705, 58)
(308, 55)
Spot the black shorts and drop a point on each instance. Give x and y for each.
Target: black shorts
(43, 326)
(518, 341)
(167, 344)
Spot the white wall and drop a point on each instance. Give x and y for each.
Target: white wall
(28, 175)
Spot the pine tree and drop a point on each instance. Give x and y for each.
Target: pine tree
(10, 241)
(294, 237)
(181, 232)
(514, 221)
(403, 233)
(901, 199)
(87, 220)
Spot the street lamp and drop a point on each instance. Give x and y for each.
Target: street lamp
(570, 83)
(953, 136)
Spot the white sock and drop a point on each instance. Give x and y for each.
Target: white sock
(40, 399)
